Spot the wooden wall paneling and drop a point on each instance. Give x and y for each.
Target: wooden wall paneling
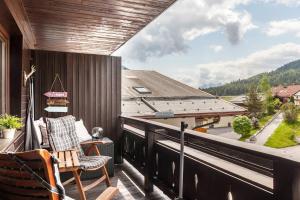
(7, 22)
(114, 94)
(18, 12)
(93, 90)
(109, 93)
(81, 86)
(92, 82)
(98, 91)
(103, 94)
(13, 39)
(26, 59)
(15, 74)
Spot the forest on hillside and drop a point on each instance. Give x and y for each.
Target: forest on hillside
(285, 75)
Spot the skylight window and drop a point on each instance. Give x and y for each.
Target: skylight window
(142, 90)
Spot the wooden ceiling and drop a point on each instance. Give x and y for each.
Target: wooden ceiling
(89, 26)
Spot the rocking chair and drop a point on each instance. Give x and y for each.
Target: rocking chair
(19, 183)
(62, 137)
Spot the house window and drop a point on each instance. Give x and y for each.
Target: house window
(142, 90)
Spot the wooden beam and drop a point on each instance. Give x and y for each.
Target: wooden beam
(18, 12)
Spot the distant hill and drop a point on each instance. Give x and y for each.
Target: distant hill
(285, 75)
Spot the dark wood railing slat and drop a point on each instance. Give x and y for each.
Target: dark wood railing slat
(148, 184)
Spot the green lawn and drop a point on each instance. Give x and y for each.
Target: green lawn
(262, 122)
(283, 135)
(227, 98)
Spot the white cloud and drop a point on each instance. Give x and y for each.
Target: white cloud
(217, 73)
(216, 48)
(283, 27)
(284, 2)
(187, 20)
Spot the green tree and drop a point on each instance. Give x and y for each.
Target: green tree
(253, 102)
(242, 125)
(277, 103)
(290, 112)
(292, 99)
(265, 88)
(264, 85)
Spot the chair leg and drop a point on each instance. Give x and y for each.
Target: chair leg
(104, 172)
(79, 185)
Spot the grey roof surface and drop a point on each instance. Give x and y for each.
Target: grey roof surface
(179, 106)
(167, 95)
(161, 86)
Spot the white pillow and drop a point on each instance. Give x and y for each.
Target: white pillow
(82, 132)
(36, 126)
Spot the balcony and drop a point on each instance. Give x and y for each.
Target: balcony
(75, 39)
(213, 166)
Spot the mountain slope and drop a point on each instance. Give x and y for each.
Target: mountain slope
(285, 75)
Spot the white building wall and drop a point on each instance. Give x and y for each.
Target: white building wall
(177, 121)
(191, 121)
(224, 122)
(297, 98)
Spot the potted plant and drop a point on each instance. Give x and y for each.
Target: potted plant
(9, 124)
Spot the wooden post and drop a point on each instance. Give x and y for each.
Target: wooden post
(286, 180)
(149, 137)
(119, 142)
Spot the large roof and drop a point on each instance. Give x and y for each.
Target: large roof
(285, 91)
(168, 95)
(160, 86)
(87, 26)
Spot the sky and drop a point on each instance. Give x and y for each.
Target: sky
(206, 43)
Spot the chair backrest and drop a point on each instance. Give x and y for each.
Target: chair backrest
(62, 134)
(18, 184)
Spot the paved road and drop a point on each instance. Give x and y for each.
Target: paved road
(263, 136)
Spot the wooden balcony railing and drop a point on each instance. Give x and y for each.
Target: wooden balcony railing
(213, 167)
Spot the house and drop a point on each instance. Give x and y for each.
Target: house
(147, 94)
(241, 100)
(75, 39)
(285, 93)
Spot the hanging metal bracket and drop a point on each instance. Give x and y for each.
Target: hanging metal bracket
(181, 168)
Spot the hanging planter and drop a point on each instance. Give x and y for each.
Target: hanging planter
(57, 101)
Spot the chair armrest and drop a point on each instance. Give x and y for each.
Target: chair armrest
(92, 147)
(90, 142)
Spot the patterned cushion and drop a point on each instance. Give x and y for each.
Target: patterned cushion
(62, 134)
(90, 162)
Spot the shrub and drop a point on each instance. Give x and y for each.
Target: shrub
(242, 125)
(290, 112)
(270, 108)
(292, 99)
(9, 121)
